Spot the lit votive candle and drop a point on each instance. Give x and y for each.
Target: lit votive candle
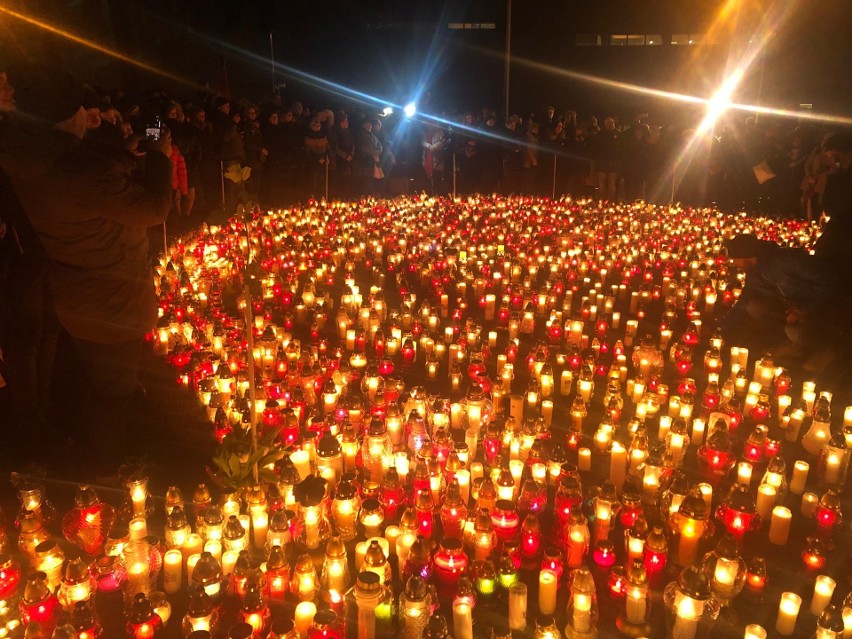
(229, 560)
(547, 584)
(172, 571)
(765, 500)
(754, 631)
(584, 459)
(809, 502)
(788, 612)
(744, 470)
(190, 563)
(823, 591)
(392, 534)
(214, 547)
(304, 617)
(779, 527)
(799, 478)
(138, 528)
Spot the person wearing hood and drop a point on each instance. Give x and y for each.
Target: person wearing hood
(784, 304)
(91, 216)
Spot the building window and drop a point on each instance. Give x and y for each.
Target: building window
(471, 25)
(687, 38)
(635, 40)
(653, 39)
(618, 40)
(587, 40)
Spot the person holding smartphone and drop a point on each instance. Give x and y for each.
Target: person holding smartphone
(91, 215)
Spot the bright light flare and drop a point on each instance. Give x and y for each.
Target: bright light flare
(387, 111)
(720, 103)
(410, 109)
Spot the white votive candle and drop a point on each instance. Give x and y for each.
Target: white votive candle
(584, 459)
(788, 611)
(823, 590)
(779, 527)
(809, 502)
(172, 571)
(799, 478)
(754, 631)
(305, 612)
(765, 500)
(547, 583)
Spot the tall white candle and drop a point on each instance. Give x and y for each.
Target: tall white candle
(618, 465)
(799, 478)
(518, 606)
(779, 527)
(172, 571)
(582, 617)
(463, 477)
(823, 590)
(635, 605)
(462, 620)
(744, 470)
(765, 500)
(788, 612)
(547, 583)
(584, 459)
(305, 612)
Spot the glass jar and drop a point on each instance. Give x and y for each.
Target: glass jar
(139, 576)
(371, 603)
(582, 612)
(691, 610)
(415, 606)
(201, 614)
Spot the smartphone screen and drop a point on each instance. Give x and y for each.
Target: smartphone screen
(152, 134)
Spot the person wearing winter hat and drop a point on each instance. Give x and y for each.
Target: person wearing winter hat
(784, 303)
(91, 216)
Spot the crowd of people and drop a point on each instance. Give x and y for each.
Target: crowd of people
(294, 151)
(86, 173)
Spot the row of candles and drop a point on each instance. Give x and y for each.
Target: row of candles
(465, 491)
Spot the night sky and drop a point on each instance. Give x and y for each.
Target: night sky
(401, 49)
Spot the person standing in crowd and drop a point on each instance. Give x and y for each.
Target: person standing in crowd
(316, 158)
(92, 216)
(253, 147)
(530, 156)
(29, 329)
(188, 140)
(344, 149)
(818, 165)
(634, 161)
(229, 148)
(607, 154)
(835, 243)
(433, 142)
(368, 155)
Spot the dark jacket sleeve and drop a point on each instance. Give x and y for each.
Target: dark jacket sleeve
(139, 202)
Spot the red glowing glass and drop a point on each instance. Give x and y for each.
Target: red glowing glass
(654, 560)
(604, 554)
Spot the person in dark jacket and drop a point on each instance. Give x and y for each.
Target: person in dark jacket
(253, 146)
(344, 148)
(91, 216)
(316, 158)
(607, 155)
